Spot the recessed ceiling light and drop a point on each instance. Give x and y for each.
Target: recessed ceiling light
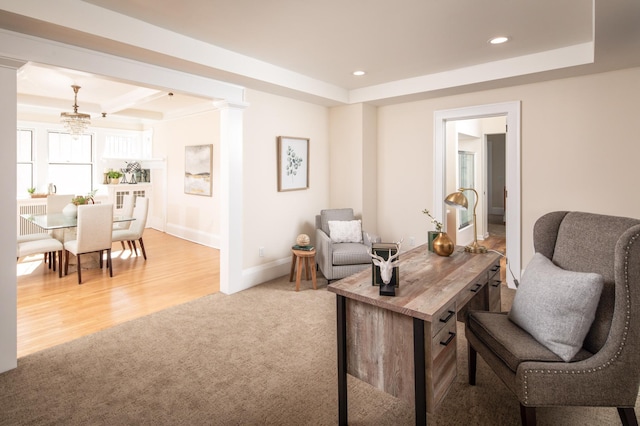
(499, 40)
(359, 73)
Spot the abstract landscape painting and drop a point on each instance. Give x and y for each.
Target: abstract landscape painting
(198, 162)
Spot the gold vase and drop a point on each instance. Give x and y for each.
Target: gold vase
(443, 245)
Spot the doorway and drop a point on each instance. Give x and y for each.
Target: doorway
(445, 173)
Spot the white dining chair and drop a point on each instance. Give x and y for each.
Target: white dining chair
(136, 228)
(128, 202)
(57, 202)
(47, 245)
(95, 224)
(48, 256)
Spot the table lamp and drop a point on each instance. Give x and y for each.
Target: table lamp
(458, 200)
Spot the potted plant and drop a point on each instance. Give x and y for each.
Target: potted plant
(433, 234)
(31, 191)
(71, 209)
(114, 176)
(84, 199)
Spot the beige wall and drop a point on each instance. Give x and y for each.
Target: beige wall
(353, 161)
(193, 217)
(273, 219)
(579, 151)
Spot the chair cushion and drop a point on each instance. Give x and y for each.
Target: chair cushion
(345, 231)
(555, 306)
(350, 254)
(44, 245)
(334, 214)
(509, 342)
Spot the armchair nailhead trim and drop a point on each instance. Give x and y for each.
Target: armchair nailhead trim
(624, 334)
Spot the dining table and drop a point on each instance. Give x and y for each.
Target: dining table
(52, 221)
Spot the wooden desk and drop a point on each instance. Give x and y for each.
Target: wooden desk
(406, 345)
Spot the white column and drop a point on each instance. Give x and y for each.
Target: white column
(8, 232)
(231, 193)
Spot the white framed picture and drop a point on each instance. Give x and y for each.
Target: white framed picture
(198, 168)
(293, 163)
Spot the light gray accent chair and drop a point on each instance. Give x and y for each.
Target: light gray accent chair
(339, 260)
(606, 370)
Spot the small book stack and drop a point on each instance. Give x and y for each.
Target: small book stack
(305, 248)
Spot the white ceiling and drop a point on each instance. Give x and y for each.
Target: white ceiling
(404, 43)
(47, 90)
(391, 40)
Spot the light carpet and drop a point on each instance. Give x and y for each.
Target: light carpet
(264, 356)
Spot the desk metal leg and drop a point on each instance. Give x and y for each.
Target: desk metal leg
(342, 359)
(419, 372)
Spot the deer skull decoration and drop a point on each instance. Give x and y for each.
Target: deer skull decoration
(386, 266)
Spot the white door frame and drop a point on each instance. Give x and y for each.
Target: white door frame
(512, 181)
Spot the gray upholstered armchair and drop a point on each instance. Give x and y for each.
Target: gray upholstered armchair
(344, 252)
(604, 370)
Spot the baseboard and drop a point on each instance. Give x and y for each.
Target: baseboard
(193, 235)
(255, 275)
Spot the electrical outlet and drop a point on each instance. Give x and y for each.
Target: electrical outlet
(261, 252)
(412, 241)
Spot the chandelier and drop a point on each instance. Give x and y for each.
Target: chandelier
(76, 123)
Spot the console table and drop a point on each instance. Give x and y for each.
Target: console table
(406, 345)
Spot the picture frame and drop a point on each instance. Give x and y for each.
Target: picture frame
(198, 169)
(293, 163)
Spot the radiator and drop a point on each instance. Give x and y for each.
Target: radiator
(26, 226)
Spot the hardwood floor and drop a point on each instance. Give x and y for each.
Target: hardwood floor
(54, 310)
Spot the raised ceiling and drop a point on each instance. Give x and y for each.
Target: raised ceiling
(408, 48)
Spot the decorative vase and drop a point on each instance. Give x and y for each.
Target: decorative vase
(70, 210)
(443, 245)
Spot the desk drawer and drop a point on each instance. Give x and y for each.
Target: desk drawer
(494, 271)
(493, 287)
(447, 316)
(474, 291)
(445, 337)
(444, 366)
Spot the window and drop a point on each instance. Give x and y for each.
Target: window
(466, 175)
(24, 161)
(128, 146)
(71, 163)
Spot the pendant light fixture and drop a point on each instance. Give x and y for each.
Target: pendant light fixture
(76, 123)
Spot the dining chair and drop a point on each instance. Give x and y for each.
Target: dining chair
(136, 228)
(95, 224)
(57, 202)
(48, 256)
(48, 246)
(128, 202)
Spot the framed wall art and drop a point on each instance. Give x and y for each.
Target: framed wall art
(293, 163)
(198, 168)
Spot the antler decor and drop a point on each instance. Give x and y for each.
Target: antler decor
(386, 269)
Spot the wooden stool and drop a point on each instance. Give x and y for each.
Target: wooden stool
(302, 257)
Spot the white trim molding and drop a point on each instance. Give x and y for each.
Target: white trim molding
(513, 204)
